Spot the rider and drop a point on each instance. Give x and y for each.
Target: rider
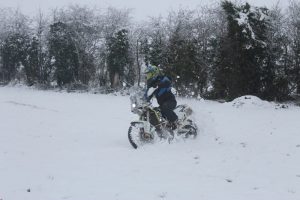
(162, 92)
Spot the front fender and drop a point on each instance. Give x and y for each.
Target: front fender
(142, 124)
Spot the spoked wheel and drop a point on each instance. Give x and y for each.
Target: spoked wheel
(138, 136)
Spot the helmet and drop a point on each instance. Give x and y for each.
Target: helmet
(151, 71)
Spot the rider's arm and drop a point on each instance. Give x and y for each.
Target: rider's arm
(150, 96)
(165, 82)
(151, 87)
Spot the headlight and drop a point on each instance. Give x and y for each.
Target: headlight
(133, 105)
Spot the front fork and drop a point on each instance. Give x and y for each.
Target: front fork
(144, 129)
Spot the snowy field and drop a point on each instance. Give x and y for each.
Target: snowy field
(74, 146)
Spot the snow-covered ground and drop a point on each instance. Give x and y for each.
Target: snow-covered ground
(74, 146)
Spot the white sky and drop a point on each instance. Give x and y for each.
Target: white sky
(141, 8)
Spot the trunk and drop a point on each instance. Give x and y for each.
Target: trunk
(138, 63)
(116, 80)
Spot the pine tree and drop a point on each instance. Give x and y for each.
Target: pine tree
(119, 60)
(32, 62)
(242, 52)
(155, 44)
(184, 65)
(14, 54)
(294, 28)
(275, 72)
(63, 54)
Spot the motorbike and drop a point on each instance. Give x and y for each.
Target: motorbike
(152, 126)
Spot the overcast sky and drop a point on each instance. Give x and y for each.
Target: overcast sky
(141, 8)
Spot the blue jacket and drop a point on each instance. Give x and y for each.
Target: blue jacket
(163, 92)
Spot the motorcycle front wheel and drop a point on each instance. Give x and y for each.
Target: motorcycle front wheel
(138, 136)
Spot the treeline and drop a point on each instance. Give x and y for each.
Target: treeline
(222, 51)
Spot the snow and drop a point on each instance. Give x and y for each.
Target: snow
(250, 101)
(243, 21)
(57, 145)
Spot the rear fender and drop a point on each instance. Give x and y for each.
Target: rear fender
(183, 111)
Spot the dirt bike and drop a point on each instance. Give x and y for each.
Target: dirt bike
(152, 126)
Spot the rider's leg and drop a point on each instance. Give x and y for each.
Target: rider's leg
(167, 110)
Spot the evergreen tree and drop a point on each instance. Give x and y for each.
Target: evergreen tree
(63, 54)
(14, 54)
(119, 60)
(243, 51)
(296, 61)
(32, 62)
(294, 28)
(145, 50)
(155, 44)
(184, 64)
(219, 73)
(157, 53)
(275, 71)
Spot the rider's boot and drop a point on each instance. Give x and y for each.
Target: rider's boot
(172, 125)
(159, 131)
